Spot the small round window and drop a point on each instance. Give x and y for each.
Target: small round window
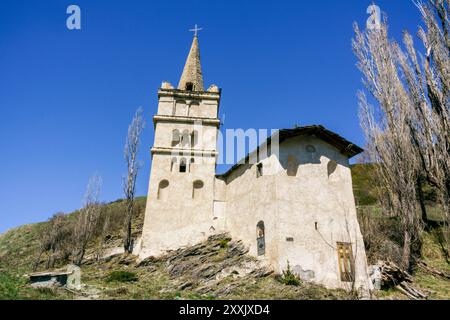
(198, 184)
(310, 148)
(164, 184)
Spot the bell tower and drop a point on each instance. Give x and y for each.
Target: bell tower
(179, 209)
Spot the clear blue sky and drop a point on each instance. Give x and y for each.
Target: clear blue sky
(67, 97)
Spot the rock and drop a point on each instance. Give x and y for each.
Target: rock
(127, 260)
(227, 289)
(185, 285)
(261, 273)
(147, 261)
(208, 267)
(152, 269)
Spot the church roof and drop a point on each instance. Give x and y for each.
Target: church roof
(192, 72)
(344, 146)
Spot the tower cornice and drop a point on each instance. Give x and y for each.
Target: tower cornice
(200, 95)
(184, 152)
(181, 119)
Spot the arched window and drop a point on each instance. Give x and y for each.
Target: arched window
(191, 164)
(185, 138)
(163, 189)
(189, 86)
(292, 165)
(331, 169)
(196, 188)
(183, 165)
(173, 164)
(260, 238)
(175, 137)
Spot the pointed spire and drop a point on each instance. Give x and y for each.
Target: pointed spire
(192, 78)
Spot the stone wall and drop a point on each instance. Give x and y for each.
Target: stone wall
(180, 205)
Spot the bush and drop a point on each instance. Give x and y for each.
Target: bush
(224, 243)
(381, 234)
(289, 278)
(122, 276)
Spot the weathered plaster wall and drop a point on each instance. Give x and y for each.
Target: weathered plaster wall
(293, 206)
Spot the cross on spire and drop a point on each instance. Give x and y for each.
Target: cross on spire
(196, 30)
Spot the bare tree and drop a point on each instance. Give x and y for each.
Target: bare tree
(54, 238)
(408, 129)
(428, 83)
(103, 233)
(386, 130)
(129, 186)
(396, 171)
(87, 219)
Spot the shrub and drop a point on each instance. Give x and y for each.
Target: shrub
(122, 276)
(224, 243)
(381, 234)
(289, 278)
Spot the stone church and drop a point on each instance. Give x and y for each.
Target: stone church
(295, 205)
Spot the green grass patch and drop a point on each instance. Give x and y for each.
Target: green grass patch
(224, 243)
(122, 276)
(9, 287)
(289, 278)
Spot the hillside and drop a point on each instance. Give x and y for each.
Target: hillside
(219, 268)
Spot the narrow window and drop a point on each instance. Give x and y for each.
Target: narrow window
(163, 189)
(346, 261)
(191, 164)
(197, 186)
(189, 86)
(194, 137)
(259, 170)
(183, 165)
(173, 164)
(175, 137)
(292, 166)
(260, 238)
(185, 138)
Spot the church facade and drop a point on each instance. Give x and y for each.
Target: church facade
(290, 200)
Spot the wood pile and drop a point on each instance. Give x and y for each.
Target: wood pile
(393, 276)
(433, 271)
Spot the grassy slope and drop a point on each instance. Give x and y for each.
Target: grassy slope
(18, 249)
(191, 274)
